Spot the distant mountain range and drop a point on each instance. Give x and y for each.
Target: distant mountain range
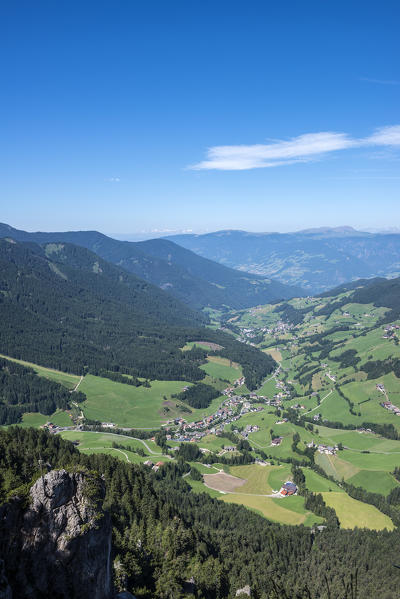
(193, 279)
(314, 259)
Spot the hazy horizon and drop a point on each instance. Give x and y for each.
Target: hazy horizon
(157, 233)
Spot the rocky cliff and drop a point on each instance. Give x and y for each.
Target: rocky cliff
(60, 545)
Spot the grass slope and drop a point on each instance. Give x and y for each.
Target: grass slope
(353, 513)
(128, 406)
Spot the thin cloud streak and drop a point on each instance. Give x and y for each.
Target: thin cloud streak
(380, 81)
(304, 148)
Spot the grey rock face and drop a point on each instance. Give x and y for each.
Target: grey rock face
(64, 540)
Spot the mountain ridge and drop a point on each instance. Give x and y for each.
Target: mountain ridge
(315, 259)
(167, 265)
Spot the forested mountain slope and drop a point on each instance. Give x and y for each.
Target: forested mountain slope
(63, 306)
(194, 280)
(165, 535)
(316, 260)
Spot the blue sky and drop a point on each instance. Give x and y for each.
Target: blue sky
(127, 116)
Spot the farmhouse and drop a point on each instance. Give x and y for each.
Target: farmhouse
(391, 407)
(288, 489)
(157, 466)
(277, 441)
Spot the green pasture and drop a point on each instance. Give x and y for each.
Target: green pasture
(317, 483)
(374, 481)
(129, 406)
(260, 479)
(203, 469)
(34, 419)
(214, 443)
(284, 511)
(93, 442)
(68, 380)
(123, 455)
(200, 344)
(372, 461)
(279, 475)
(356, 514)
(268, 388)
(221, 368)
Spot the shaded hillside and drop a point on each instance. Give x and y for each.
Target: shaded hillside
(63, 306)
(192, 279)
(316, 260)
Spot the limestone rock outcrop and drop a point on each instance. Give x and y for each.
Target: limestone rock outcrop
(59, 546)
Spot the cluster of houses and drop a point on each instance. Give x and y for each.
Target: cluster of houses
(231, 410)
(238, 383)
(391, 407)
(298, 406)
(250, 428)
(278, 330)
(54, 428)
(281, 328)
(283, 392)
(390, 331)
(246, 334)
(325, 449)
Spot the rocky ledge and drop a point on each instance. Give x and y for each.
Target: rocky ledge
(60, 546)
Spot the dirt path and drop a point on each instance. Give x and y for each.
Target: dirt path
(316, 407)
(128, 437)
(113, 448)
(77, 384)
(123, 453)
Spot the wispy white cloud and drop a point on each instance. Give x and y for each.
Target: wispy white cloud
(386, 136)
(113, 180)
(380, 81)
(304, 148)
